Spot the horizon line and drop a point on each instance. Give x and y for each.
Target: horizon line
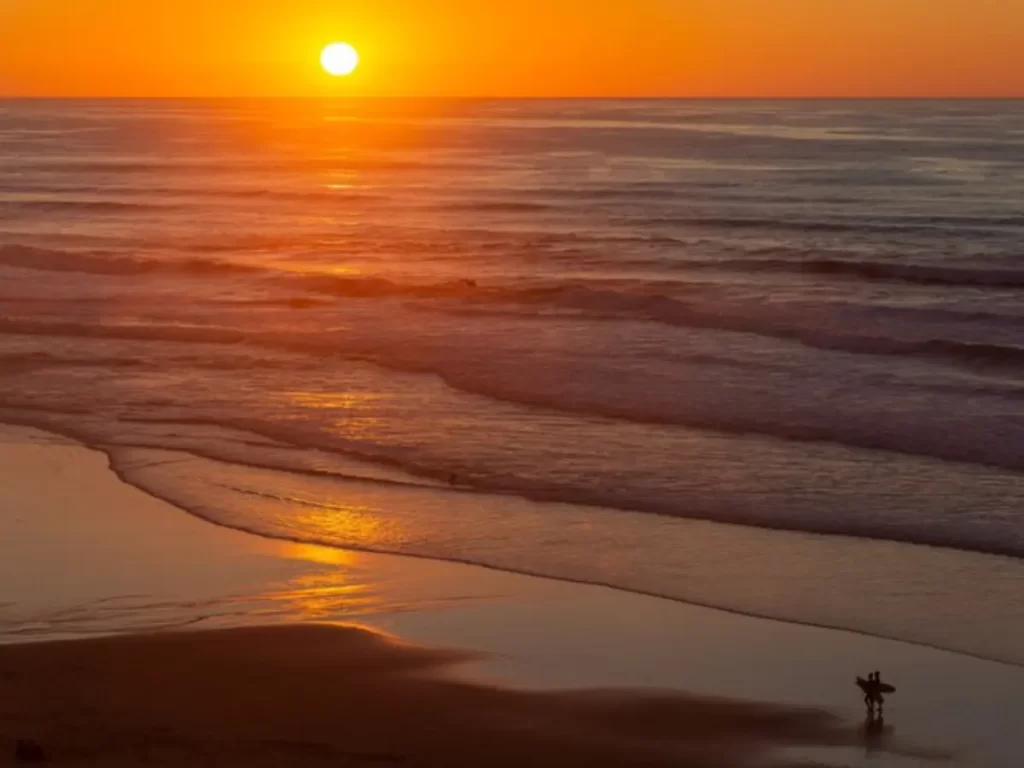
(322, 97)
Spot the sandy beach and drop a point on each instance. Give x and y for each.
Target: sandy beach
(449, 664)
(327, 695)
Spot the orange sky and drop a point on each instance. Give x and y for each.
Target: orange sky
(524, 48)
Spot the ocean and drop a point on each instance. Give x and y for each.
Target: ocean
(764, 356)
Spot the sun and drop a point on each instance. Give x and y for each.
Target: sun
(339, 59)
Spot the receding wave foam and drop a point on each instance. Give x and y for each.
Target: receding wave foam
(749, 411)
(761, 321)
(597, 303)
(968, 535)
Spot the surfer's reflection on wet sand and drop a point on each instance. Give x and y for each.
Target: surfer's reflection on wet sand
(876, 734)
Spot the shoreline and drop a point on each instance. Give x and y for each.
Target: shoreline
(608, 585)
(534, 633)
(985, 584)
(6, 419)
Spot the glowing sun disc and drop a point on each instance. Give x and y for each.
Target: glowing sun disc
(339, 59)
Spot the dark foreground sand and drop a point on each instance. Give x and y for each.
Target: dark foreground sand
(320, 695)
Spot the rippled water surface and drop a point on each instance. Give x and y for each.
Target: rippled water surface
(546, 336)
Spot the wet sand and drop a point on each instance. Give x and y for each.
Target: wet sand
(308, 695)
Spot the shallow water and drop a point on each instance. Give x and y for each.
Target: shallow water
(552, 334)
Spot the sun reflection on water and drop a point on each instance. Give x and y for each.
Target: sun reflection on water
(326, 595)
(354, 408)
(316, 554)
(352, 523)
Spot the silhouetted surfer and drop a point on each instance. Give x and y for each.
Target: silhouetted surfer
(873, 689)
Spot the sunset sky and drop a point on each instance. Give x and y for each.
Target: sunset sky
(524, 48)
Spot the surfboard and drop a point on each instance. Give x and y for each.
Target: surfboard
(882, 687)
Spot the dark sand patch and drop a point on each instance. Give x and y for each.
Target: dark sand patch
(319, 695)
